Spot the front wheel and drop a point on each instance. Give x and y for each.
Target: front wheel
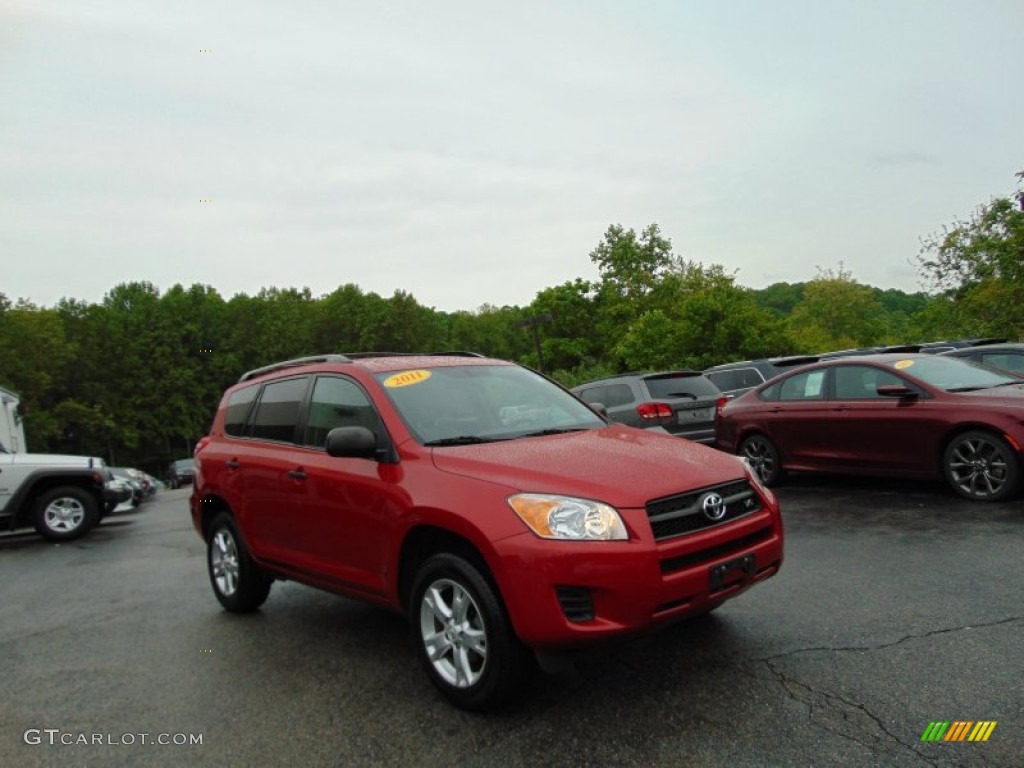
(981, 466)
(66, 513)
(463, 637)
(239, 584)
(763, 457)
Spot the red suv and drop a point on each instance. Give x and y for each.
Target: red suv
(499, 512)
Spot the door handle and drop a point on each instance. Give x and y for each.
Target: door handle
(233, 463)
(297, 474)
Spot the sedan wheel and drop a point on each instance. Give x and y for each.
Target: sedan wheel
(763, 458)
(981, 466)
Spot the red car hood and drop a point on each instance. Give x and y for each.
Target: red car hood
(619, 465)
(1012, 395)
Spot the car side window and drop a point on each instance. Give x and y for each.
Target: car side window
(861, 382)
(803, 386)
(592, 395)
(337, 402)
(277, 413)
(239, 405)
(617, 394)
(736, 378)
(1008, 361)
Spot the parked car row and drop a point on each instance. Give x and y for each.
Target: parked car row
(463, 491)
(939, 410)
(142, 485)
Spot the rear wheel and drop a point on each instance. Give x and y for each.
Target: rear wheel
(763, 457)
(981, 466)
(239, 584)
(66, 513)
(463, 637)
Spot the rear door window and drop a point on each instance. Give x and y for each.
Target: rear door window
(277, 413)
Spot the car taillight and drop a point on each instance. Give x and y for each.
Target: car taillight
(201, 444)
(719, 404)
(651, 411)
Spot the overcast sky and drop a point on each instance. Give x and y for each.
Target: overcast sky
(475, 152)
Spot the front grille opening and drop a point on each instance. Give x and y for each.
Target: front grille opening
(673, 516)
(577, 603)
(712, 553)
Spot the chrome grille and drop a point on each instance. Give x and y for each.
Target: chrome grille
(677, 515)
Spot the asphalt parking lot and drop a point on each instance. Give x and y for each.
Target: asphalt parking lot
(898, 605)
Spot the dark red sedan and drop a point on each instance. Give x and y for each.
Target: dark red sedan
(897, 415)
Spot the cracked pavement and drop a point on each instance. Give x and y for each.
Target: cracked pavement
(898, 605)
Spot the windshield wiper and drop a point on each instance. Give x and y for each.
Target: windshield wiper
(556, 431)
(463, 440)
(991, 386)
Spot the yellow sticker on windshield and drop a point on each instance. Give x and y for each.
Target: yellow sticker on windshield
(901, 364)
(406, 379)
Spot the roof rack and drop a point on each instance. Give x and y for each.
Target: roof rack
(359, 355)
(292, 363)
(346, 357)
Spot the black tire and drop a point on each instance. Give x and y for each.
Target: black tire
(763, 457)
(475, 660)
(238, 583)
(981, 466)
(65, 513)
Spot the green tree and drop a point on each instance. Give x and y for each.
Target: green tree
(979, 264)
(836, 312)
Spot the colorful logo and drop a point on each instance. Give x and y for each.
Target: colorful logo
(959, 730)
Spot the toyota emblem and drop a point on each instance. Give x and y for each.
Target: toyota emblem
(713, 506)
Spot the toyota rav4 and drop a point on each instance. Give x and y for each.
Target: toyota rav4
(506, 518)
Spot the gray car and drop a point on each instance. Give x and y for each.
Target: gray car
(681, 403)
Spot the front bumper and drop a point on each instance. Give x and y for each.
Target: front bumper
(563, 595)
(115, 493)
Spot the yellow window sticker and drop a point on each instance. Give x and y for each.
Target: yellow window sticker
(901, 364)
(406, 379)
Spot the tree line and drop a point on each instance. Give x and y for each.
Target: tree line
(137, 377)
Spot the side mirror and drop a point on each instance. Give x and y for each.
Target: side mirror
(599, 409)
(351, 443)
(898, 390)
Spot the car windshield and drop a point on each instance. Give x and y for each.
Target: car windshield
(462, 405)
(953, 374)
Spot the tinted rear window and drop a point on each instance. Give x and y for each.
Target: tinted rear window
(680, 386)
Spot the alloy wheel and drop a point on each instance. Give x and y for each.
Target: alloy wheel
(453, 633)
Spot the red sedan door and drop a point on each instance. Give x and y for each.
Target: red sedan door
(876, 433)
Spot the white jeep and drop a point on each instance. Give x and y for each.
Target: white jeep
(63, 497)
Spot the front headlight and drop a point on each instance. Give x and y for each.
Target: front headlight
(566, 518)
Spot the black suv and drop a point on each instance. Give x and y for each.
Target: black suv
(681, 403)
(181, 472)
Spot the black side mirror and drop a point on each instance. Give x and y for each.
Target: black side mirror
(898, 390)
(352, 443)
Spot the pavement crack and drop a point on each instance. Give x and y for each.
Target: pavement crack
(842, 705)
(882, 646)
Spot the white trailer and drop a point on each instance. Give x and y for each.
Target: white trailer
(12, 430)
